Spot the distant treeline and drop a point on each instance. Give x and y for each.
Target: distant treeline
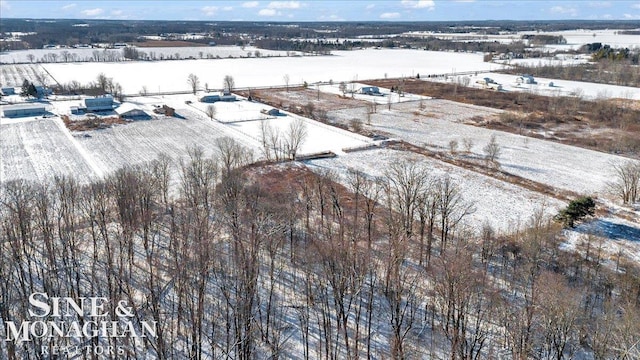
(67, 31)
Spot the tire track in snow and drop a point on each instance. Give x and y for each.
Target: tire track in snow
(93, 164)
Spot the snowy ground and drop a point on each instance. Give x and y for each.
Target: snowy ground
(561, 166)
(22, 56)
(575, 38)
(38, 149)
(254, 72)
(622, 238)
(555, 87)
(502, 205)
(353, 88)
(558, 60)
(15, 75)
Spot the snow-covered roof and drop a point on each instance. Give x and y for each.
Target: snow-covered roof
(23, 106)
(126, 107)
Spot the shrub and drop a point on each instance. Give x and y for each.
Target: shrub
(576, 210)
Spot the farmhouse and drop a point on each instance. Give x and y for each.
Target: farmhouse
(23, 110)
(103, 103)
(42, 91)
(130, 111)
(526, 79)
(226, 96)
(370, 90)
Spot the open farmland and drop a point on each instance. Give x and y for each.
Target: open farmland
(253, 72)
(334, 206)
(440, 122)
(40, 149)
(156, 53)
(502, 205)
(15, 75)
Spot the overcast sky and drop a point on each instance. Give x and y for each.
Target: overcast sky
(316, 10)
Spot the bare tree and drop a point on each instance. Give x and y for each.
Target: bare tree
(626, 184)
(194, 82)
(102, 80)
(211, 111)
(296, 136)
(232, 154)
(286, 81)
(228, 83)
(492, 150)
(452, 208)
(343, 88)
(468, 144)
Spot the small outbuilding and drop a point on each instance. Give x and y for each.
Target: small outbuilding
(101, 103)
(130, 111)
(23, 110)
(370, 90)
(526, 79)
(210, 98)
(272, 112)
(6, 91)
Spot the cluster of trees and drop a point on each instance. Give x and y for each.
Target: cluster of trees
(234, 264)
(607, 52)
(28, 89)
(278, 145)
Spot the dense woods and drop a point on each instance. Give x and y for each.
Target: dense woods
(272, 261)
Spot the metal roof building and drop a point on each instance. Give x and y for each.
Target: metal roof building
(23, 110)
(102, 103)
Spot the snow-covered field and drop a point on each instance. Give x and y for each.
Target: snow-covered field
(575, 38)
(162, 76)
(558, 60)
(15, 75)
(38, 150)
(92, 54)
(440, 122)
(502, 205)
(586, 90)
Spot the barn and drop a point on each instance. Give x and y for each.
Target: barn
(23, 110)
(130, 111)
(102, 103)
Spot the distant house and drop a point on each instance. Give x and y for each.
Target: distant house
(42, 91)
(225, 96)
(8, 91)
(525, 79)
(210, 98)
(489, 83)
(370, 90)
(130, 111)
(23, 110)
(271, 112)
(101, 103)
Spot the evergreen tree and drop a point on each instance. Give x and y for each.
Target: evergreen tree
(576, 210)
